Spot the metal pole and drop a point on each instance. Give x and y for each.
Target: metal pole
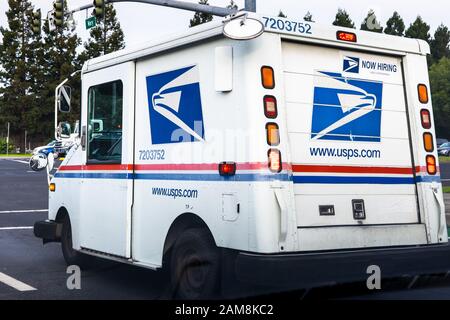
(7, 141)
(250, 5)
(25, 146)
(215, 11)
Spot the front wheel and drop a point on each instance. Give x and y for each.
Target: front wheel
(195, 266)
(71, 256)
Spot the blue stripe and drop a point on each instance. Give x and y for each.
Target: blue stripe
(424, 179)
(176, 176)
(89, 175)
(250, 178)
(211, 177)
(352, 180)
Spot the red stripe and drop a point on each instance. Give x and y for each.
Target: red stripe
(161, 167)
(351, 169)
(241, 167)
(197, 167)
(97, 167)
(168, 167)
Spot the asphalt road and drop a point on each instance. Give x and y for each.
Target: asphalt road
(445, 173)
(25, 259)
(40, 271)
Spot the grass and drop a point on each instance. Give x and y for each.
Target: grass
(14, 155)
(444, 159)
(446, 189)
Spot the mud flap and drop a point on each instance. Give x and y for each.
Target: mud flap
(441, 206)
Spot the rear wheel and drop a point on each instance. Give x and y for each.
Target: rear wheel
(71, 256)
(195, 265)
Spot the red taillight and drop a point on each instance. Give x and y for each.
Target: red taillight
(431, 165)
(275, 164)
(227, 169)
(425, 118)
(270, 107)
(346, 36)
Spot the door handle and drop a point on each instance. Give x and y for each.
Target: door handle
(83, 138)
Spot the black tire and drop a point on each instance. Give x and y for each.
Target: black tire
(195, 266)
(71, 256)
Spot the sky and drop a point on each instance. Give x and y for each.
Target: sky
(142, 22)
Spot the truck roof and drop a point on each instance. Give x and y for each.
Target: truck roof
(321, 34)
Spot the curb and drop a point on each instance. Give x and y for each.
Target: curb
(13, 158)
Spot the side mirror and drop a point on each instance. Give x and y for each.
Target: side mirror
(243, 28)
(64, 97)
(64, 130)
(38, 162)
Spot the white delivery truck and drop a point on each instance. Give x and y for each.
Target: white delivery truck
(299, 158)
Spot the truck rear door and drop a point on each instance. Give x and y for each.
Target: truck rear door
(349, 138)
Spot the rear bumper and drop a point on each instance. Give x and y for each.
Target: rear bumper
(48, 231)
(308, 270)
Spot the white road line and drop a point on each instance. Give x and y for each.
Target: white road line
(15, 228)
(24, 211)
(16, 284)
(21, 161)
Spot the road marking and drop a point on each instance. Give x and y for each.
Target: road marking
(16, 284)
(24, 211)
(15, 228)
(21, 161)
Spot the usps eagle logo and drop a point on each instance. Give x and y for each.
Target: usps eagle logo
(351, 64)
(175, 106)
(346, 109)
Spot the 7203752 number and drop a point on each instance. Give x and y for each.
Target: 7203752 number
(287, 25)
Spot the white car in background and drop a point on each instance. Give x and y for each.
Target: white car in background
(50, 147)
(54, 147)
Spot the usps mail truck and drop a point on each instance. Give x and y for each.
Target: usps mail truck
(299, 157)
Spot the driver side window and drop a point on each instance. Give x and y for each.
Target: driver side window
(105, 106)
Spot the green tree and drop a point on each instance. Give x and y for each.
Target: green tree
(343, 19)
(4, 145)
(200, 17)
(281, 14)
(16, 59)
(308, 17)
(395, 25)
(440, 43)
(59, 60)
(371, 23)
(106, 37)
(439, 79)
(418, 30)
